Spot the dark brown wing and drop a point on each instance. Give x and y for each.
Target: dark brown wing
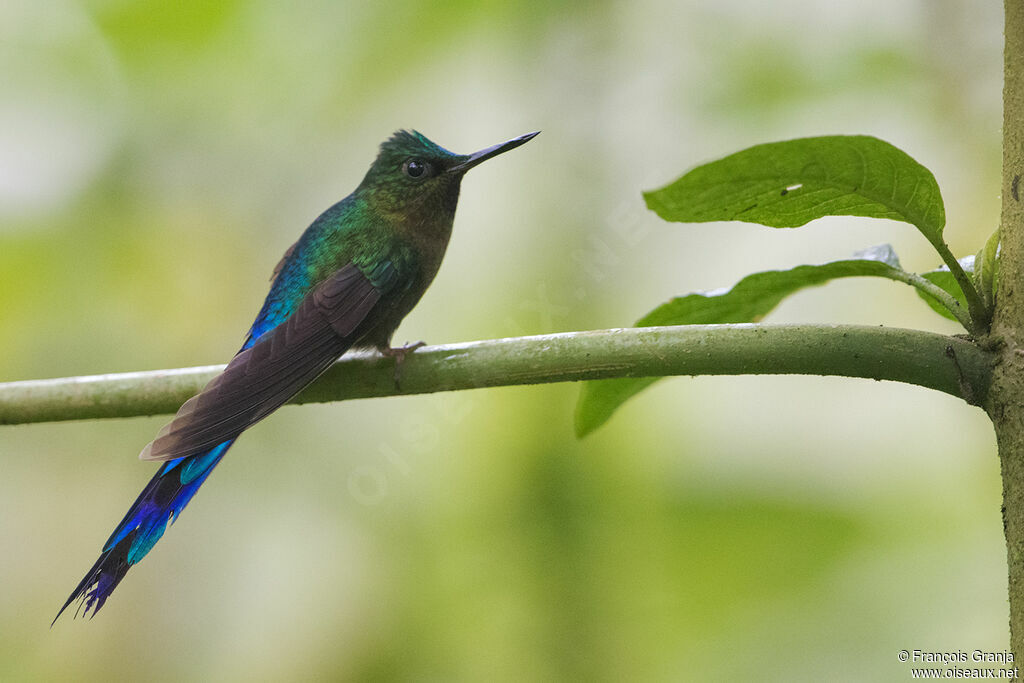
(264, 376)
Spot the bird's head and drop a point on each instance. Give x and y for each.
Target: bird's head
(416, 179)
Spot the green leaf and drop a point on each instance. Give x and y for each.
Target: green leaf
(986, 268)
(787, 184)
(749, 300)
(944, 279)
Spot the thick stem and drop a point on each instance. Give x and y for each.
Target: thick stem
(1006, 406)
(948, 364)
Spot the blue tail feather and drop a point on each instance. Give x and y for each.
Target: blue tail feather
(160, 503)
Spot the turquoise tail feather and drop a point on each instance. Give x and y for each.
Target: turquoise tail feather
(159, 504)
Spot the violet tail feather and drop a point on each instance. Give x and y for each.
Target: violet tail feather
(159, 504)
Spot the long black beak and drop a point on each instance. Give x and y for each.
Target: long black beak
(485, 154)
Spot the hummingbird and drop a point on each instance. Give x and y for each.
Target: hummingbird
(348, 282)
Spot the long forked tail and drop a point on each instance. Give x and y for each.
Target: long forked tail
(161, 502)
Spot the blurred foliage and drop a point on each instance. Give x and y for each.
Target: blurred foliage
(159, 157)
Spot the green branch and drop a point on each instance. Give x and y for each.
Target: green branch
(935, 361)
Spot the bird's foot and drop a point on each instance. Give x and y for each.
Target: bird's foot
(399, 354)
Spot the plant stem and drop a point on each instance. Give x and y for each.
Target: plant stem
(1006, 407)
(980, 316)
(933, 290)
(947, 364)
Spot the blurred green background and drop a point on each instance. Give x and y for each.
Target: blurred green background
(157, 158)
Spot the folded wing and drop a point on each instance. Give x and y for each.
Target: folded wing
(281, 363)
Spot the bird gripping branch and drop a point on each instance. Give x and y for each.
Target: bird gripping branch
(348, 282)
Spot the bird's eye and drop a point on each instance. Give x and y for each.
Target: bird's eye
(414, 168)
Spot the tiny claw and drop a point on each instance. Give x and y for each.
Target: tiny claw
(399, 354)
